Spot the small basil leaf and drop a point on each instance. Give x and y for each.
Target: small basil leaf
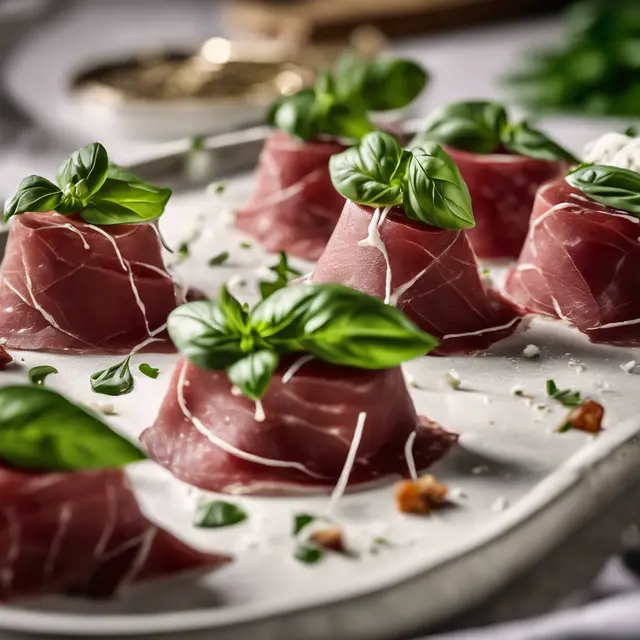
(298, 115)
(370, 173)
(470, 126)
(148, 370)
(300, 521)
(207, 334)
(42, 430)
(434, 190)
(611, 186)
(567, 397)
(235, 314)
(252, 375)
(33, 194)
(343, 121)
(114, 381)
(37, 375)
(218, 513)
(522, 139)
(283, 272)
(339, 325)
(121, 202)
(84, 173)
(308, 554)
(219, 259)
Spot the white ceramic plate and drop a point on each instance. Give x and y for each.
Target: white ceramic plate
(526, 488)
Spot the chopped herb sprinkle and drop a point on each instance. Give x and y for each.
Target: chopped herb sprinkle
(308, 554)
(566, 397)
(37, 375)
(218, 513)
(219, 259)
(148, 370)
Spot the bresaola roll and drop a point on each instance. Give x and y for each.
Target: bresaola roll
(314, 400)
(581, 260)
(83, 269)
(503, 164)
(293, 207)
(402, 238)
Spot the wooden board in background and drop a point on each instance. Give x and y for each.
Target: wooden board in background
(321, 20)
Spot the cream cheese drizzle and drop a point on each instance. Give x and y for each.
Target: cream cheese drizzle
(408, 454)
(373, 239)
(295, 367)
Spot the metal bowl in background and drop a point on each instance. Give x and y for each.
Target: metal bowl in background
(172, 94)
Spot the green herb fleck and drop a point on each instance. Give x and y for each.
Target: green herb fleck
(300, 521)
(196, 143)
(219, 187)
(245, 245)
(148, 370)
(284, 273)
(219, 259)
(183, 250)
(566, 397)
(308, 554)
(37, 375)
(114, 381)
(631, 132)
(218, 513)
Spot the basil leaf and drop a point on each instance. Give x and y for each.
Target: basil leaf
(308, 554)
(470, 126)
(343, 121)
(339, 325)
(208, 333)
(120, 202)
(298, 115)
(33, 194)
(611, 186)
(370, 173)
(218, 513)
(300, 521)
(37, 375)
(42, 430)
(114, 381)
(148, 370)
(567, 397)
(84, 172)
(219, 259)
(283, 272)
(522, 139)
(116, 172)
(253, 373)
(434, 190)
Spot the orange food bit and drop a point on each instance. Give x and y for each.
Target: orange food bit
(329, 538)
(420, 496)
(585, 417)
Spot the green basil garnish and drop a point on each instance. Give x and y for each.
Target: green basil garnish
(308, 554)
(338, 104)
(114, 381)
(481, 126)
(219, 259)
(283, 272)
(567, 397)
(300, 521)
(42, 430)
(37, 375)
(425, 180)
(148, 370)
(218, 513)
(87, 184)
(330, 321)
(610, 186)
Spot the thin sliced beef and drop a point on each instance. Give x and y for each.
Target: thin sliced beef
(209, 437)
(502, 188)
(5, 358)
(294, 206)
(581, 263)
(435, 278)
(69, 286)
(82, 533)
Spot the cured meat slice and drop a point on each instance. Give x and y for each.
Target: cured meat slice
(435, 278)
(5, 358)
(82, 532)
(70, 286)
(581, 263)
(209, 437)
(294, 206)
(503, 188)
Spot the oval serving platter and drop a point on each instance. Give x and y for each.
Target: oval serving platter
(528, 501)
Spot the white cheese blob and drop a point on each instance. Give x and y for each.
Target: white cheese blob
(615, 150)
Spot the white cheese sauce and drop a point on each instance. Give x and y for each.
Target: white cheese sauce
(614, 150)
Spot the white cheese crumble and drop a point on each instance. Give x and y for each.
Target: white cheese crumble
(629, 367)
(107, 408)
(531, 351)
(457, 493)
(480, 469)
(452, 379)
(615, 150)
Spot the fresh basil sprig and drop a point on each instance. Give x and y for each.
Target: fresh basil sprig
(284, 272)
(481, 126)
(113, 381)
(332, 322)
(610, 186)
(87, 184)
(425, 180)
(42, 430)
(339, 103)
